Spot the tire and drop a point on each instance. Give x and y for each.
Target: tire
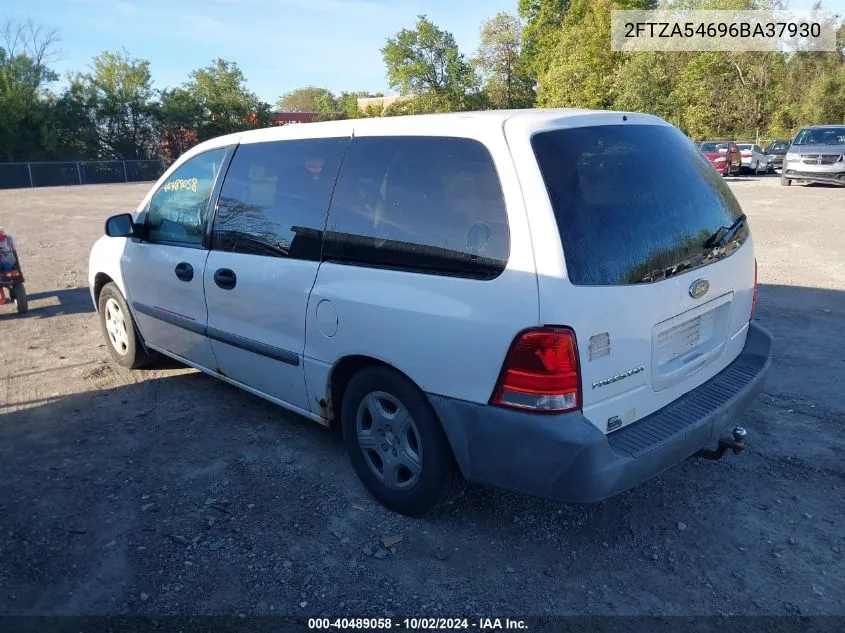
(122, 338)
(21, 301)
(785, 182)
(421, 473)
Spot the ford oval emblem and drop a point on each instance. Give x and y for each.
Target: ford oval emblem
(699, 288)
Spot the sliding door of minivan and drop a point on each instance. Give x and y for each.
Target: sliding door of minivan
(266, 242)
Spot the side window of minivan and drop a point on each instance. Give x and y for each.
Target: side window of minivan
(177, 211)
(275, 197)
(422, 204)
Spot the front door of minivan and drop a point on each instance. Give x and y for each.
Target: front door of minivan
(266, 241)
(164, 271)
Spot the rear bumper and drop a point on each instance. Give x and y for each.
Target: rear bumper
(566, 457)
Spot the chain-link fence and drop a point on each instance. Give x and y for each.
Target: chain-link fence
(91, 172)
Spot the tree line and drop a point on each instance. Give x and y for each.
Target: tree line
(551, 53)
(112, 111)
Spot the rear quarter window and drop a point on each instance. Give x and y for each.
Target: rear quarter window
(633, 203)
(422, 204)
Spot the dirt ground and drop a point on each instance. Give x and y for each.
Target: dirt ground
(165, 491)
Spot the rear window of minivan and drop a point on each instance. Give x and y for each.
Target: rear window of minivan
(633, 203)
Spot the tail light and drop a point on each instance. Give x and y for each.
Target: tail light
(754, 296)
(541, 372)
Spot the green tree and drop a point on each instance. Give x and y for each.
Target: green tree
(347, 103)
(582, 66)
(74, 130)
(756, 91)
(180, 115)
(119, 95)
(499, 61)
(812, 91)
(543, 19)
(308, 99)
(226, 103)
(425, 62)
(703, 96)
(645, 82)
(26, 49)
(582, 61)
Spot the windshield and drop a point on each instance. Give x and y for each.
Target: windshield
(779, 146)
(746, 146)
(714, 147)
(621, 220)
(821, 136)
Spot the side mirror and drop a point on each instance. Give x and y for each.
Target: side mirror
(121, 225)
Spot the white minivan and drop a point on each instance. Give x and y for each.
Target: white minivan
(516, 298)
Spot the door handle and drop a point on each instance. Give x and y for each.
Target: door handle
(225, 278)
(184, 271)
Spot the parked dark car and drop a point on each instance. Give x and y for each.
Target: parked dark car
(775, 151)
(723, 155)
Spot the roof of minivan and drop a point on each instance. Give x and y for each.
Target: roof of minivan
(416, 122)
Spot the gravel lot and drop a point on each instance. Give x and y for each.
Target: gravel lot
(164, 491)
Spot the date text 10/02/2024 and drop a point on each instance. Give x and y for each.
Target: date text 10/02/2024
(481, 624)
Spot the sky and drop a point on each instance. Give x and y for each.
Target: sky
(280, 45)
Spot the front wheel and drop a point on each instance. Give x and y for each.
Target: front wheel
(21, 301)
(122, 338)
(396, 443)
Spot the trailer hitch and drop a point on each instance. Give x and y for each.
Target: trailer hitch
(735, 443)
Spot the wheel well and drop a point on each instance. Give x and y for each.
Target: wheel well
(100, 280)
(339, 379)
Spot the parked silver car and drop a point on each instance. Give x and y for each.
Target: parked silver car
(817, 154)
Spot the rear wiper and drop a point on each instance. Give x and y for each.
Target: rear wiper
(724, 234)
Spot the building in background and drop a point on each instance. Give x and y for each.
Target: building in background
(286, 118)
(374, 102)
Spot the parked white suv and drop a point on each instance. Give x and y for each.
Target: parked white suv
(519, 297)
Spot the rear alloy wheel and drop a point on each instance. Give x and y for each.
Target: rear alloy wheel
(396, 443)
(122, 340)
(389, 440)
